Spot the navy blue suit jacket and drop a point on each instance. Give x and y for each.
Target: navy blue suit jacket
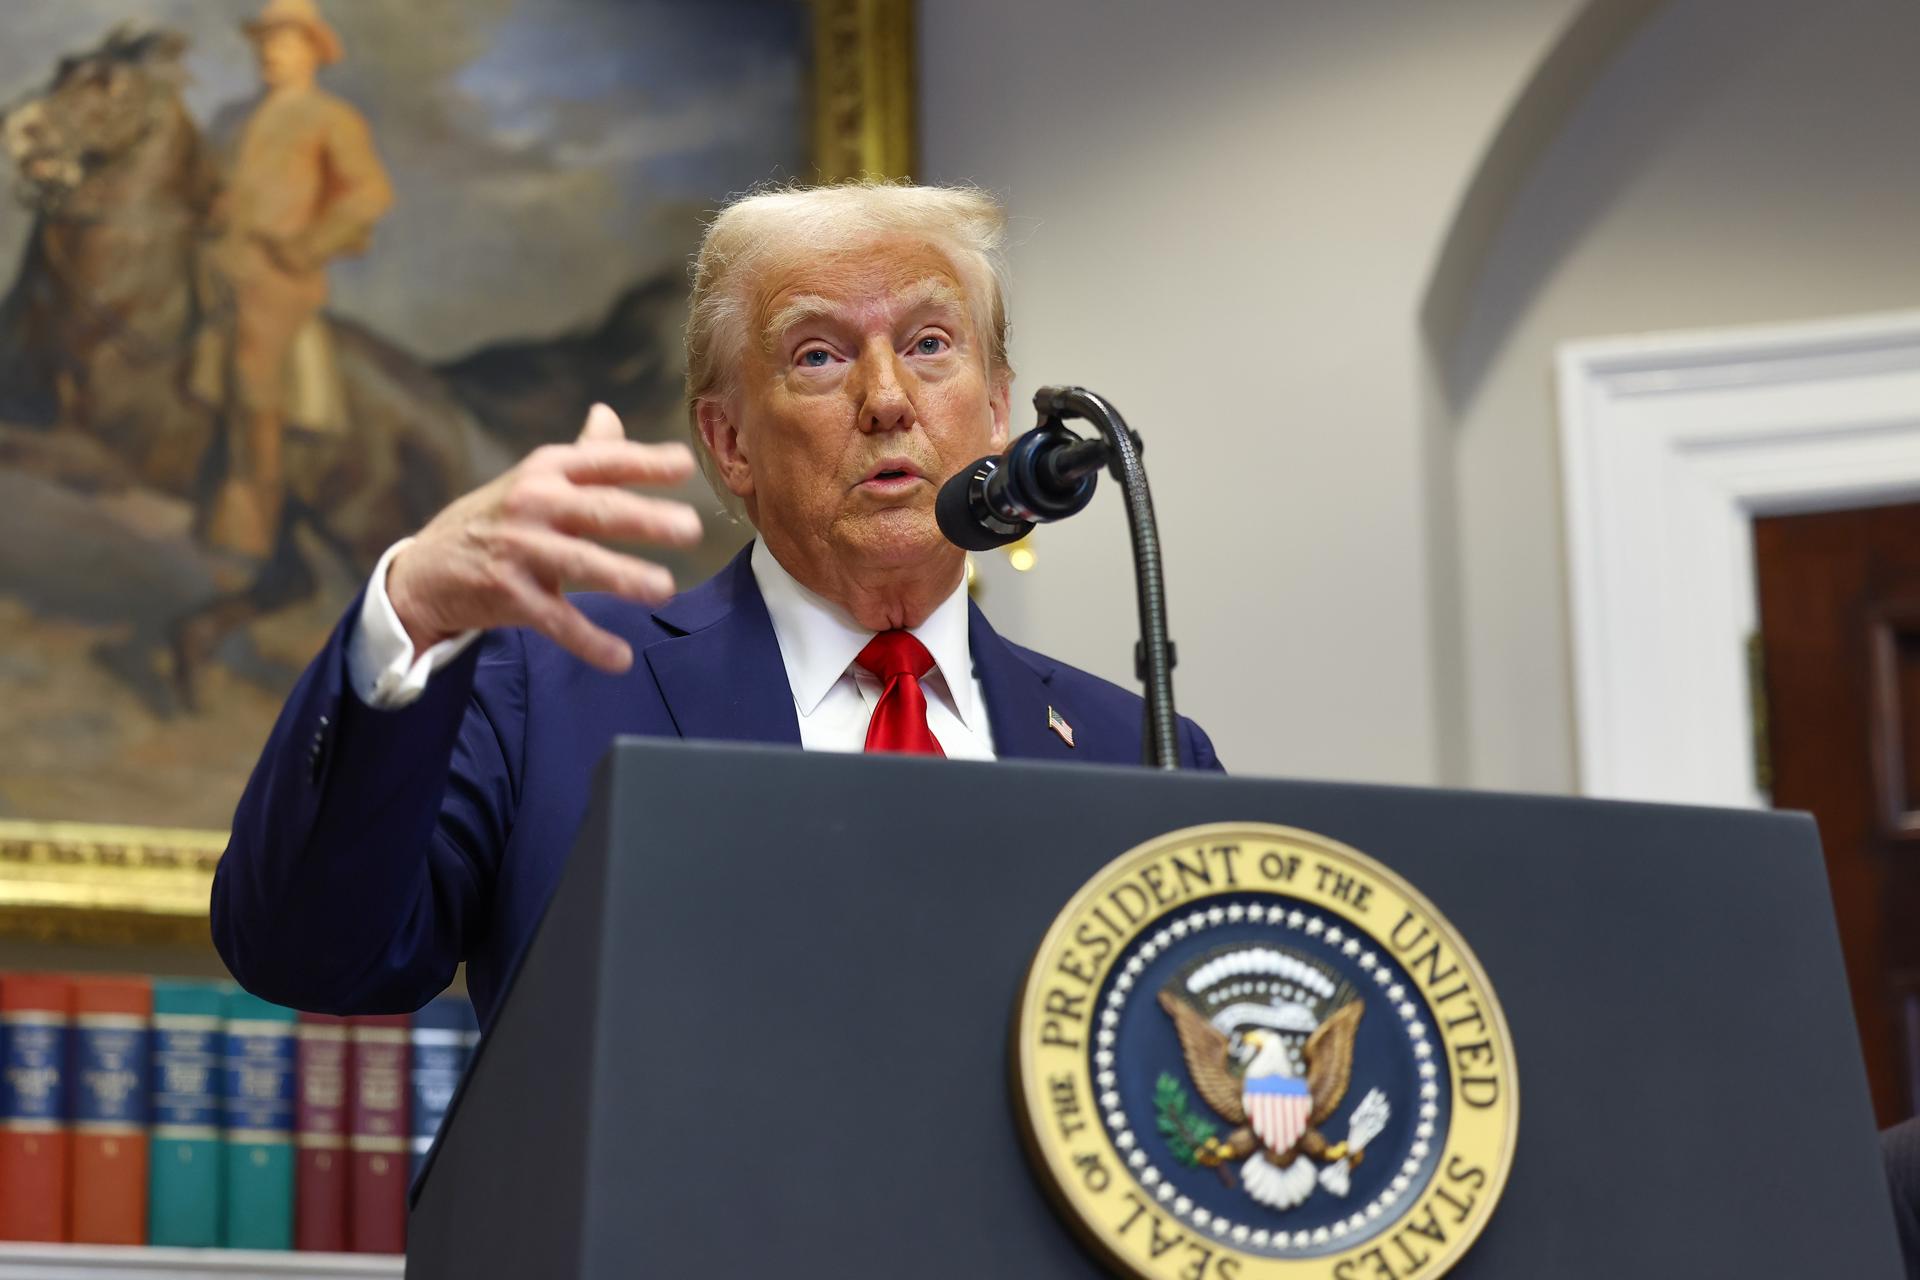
(375, 850)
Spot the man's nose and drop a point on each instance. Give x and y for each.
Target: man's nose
(885, 404)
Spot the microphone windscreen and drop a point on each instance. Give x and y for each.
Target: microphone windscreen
(962, 525)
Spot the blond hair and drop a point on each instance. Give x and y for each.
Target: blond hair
(766, 226)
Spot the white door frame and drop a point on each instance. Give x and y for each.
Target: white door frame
(1671, 445)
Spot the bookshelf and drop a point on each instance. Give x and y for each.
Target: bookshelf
(188, 1112)
(109, 1262)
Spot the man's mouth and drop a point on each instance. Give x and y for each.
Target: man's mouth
(891, 473)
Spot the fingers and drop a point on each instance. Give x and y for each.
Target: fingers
(602, 454)
(615, 461)
(602, 424)
(556, 617)
(609, 514)
(545, 561)
(555, 560)
(505, 552)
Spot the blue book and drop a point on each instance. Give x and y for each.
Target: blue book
(184, 1191)
(259, 1123)
(444, 1035)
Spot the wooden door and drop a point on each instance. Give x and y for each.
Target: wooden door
(1840, 644)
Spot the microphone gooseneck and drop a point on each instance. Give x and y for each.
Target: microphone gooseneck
(1049, 474)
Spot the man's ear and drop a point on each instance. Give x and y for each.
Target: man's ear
(1000, 400)
(722, 437)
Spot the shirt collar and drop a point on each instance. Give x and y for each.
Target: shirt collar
(819, 640)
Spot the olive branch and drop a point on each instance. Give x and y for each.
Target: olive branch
(1184, 1131)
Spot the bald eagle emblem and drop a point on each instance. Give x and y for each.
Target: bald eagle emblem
(1268, 1040)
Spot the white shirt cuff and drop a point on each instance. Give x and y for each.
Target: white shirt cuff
(381, 664)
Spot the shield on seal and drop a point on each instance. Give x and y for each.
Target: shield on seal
(1277, 1108)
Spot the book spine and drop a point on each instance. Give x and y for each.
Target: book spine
(259, 1128)
(184, 1191)
(377, 1134)
(34, 1029)
(443, 1038)
(110, 1077)
(320, 1136)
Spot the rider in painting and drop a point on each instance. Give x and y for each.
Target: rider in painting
(304, 185)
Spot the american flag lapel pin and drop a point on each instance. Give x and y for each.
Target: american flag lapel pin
(1058, 723)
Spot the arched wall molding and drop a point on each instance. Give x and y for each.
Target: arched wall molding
(1561, 81)
(1639, 120)
(1588, 45)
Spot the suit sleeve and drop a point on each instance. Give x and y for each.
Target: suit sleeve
(365, 847)
(1196, 748)
(382, 667)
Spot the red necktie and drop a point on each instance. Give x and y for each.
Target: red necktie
(899, 722)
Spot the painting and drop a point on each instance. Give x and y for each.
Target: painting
(280, 279)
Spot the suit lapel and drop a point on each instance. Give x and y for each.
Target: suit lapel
(722, 677)
(1017, 696)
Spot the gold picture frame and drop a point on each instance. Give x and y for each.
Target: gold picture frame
(120, 885)
(863, 87)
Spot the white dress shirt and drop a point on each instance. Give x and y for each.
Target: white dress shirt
(832, 698)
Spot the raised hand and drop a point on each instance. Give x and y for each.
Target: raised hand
(502, 555)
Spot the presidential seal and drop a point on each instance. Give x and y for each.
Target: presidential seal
(1247, 1052)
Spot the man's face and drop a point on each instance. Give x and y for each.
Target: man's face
(869, 387)
(286, 56)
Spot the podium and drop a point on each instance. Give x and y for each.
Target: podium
(763, 1028)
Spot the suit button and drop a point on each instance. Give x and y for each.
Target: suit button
(317, 750)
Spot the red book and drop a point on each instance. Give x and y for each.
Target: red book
(320, 1135)
(111, 1020)
(377, 1133)
(36, 1013)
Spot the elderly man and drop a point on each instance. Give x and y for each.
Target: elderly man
(846, 353)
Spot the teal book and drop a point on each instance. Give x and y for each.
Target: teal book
(259, 1123)
(186, 1162)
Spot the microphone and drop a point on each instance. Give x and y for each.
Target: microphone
(1047, 474)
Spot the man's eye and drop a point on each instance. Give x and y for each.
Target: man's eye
(817, 358)
(930, 345)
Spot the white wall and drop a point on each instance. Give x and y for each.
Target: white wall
(1226, 212)
(1742, 161)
